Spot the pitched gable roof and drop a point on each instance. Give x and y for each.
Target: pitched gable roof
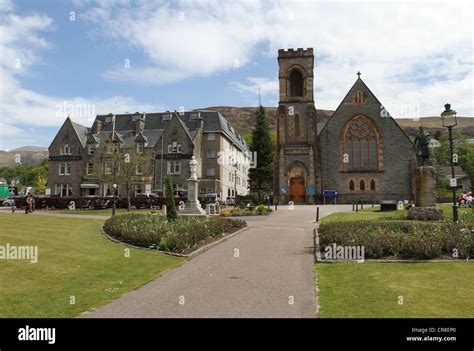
(369, 98)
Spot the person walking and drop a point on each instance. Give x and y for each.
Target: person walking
(28, 205)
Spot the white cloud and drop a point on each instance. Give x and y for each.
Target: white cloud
(402, 48)
(20, 45)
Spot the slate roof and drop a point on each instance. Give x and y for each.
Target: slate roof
(213, 121)
(81, 132)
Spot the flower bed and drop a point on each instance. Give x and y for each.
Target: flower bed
(402, 239)
(180, 236)
(243, 211)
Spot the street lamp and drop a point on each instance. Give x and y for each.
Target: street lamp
(449, 121)
(116, 142)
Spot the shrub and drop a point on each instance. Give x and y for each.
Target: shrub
(171, 213)
(401, 239)
(178, 236)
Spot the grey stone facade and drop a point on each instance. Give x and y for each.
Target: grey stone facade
(169, 140)
(360, 152)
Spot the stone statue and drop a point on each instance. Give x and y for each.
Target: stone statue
(421, 145)
(193, 168)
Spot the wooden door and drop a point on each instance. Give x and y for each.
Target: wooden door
(297, 190)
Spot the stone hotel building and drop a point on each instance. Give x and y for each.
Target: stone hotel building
(167, 140)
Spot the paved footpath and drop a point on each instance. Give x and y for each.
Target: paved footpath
(274, 268)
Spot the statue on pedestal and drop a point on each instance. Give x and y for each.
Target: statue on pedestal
(422, 147)
(192, 204)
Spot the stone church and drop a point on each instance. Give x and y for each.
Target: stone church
(359, 153)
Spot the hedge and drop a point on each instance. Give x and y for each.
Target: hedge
(176, 236)
(405, 240)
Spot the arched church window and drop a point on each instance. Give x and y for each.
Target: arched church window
(362, 185)
(372, 184)
(361, 144)
(359, 97)
(296, 83)
(297, 125)
(351, 185)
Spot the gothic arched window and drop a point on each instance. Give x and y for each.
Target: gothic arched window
(362, 185)
(351, 185)
(372, 184)
(296, 83)
(361, 144)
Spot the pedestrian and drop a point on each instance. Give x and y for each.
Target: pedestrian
(28, 205)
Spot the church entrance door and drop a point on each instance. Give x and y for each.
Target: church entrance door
(297, 189)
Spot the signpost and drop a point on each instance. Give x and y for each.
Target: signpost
(330, 194)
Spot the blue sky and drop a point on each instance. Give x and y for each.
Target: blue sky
(156, 55)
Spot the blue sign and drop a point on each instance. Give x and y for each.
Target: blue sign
(330, 193)
(310, 190)
(283, 189)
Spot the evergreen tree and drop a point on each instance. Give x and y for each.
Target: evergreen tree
(171, 213)
(261, 177)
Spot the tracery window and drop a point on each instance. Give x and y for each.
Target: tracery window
(361, 144)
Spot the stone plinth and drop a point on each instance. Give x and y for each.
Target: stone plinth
(425, 213)
(425, 186)
(193, 205)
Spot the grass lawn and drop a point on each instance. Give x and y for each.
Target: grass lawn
(372, 290)
(74, 259)
(106, 212)
(373, 214)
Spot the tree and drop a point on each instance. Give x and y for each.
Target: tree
(261, 177)
(171, 213)
(40, 184)
(131, 169)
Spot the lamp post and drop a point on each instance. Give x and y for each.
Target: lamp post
(115, 141)
(449, 121)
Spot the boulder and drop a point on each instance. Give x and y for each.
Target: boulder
(425, 214)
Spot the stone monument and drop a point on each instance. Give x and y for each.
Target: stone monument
(192, 204)
(424, 181)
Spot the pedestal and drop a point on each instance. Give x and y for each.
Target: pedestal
(425, 186)
(193, 205)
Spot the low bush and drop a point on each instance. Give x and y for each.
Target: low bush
(404, 240)
(246, 211)
(177, 236)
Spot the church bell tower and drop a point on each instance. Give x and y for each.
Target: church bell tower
(295, 161)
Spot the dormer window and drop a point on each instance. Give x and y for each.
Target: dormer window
(91, 149)
(140, 147)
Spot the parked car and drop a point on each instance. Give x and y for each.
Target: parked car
(8, 202)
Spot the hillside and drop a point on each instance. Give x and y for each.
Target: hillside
(28, 156)
(243, 118)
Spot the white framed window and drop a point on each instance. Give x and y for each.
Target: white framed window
(91, 149)
(140, 147)
(174, 167)
(64, 168)
(63, 190)
(175, 147)
(170, 148)
(211, 153)
(65, 150)
(108, 167)
(89, 168)
(139, 170)
(211, 172)
(211, 136)
(110, 148)
(178, 150)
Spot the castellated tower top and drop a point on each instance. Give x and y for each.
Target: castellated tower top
(292, 53)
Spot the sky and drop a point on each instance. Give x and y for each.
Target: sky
(88, 57)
